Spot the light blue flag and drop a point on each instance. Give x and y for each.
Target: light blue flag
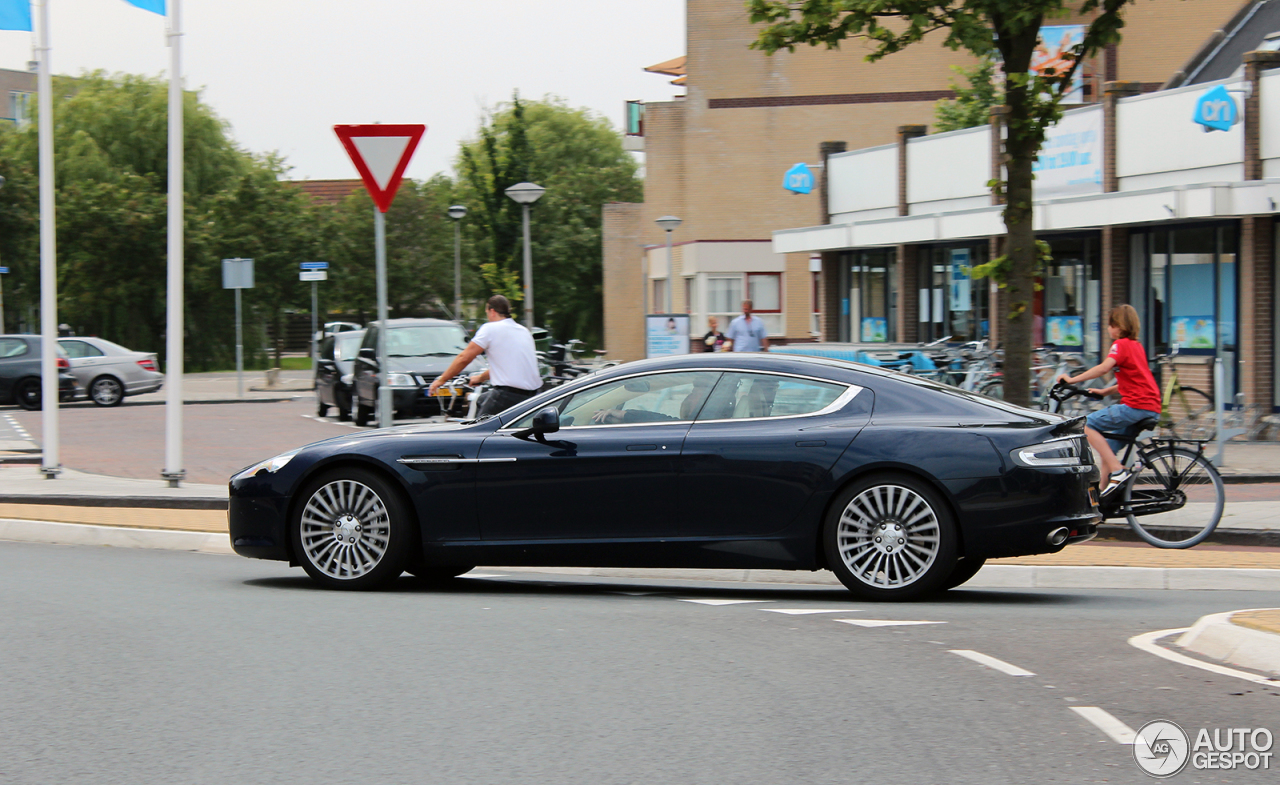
(154, 6)
(15, 15)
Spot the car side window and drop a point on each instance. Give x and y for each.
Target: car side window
(12, 347)
(655, 398)
(741, 396)
(78, 349)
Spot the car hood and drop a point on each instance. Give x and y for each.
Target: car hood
(426, 366)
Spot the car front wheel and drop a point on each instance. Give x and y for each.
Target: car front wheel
(890, 537)
(27, 394)
(352, 530)
(106, 391)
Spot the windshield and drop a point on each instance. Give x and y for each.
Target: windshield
(347, 345)
(443, 340)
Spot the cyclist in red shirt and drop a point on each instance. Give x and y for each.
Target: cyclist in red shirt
(1139, 395)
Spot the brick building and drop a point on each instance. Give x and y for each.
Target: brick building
(715, 158)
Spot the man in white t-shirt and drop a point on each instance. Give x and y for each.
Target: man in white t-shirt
(513, 360)
(747, 333)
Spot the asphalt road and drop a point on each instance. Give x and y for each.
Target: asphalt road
(133, 666)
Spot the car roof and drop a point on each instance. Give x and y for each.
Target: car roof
(417, 322)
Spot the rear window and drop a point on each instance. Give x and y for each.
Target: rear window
(908, 395)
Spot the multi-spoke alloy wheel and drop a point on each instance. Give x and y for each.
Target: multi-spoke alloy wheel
(890, 538)
(352, 530)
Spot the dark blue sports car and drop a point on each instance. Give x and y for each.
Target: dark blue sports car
(898, 485)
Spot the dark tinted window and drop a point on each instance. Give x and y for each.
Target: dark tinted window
(908, 396)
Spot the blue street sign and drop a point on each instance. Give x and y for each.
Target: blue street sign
(4, 270)
(798, 179)
(315, 265)
(1216, 110)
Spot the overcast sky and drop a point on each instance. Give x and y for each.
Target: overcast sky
(284, 72)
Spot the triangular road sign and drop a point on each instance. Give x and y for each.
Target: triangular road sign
(381, 153)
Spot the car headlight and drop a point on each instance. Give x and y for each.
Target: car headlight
(1064, 451)
(270, 465)
(400, 380)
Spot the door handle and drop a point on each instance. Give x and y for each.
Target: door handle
(641, 447)
(818, 443)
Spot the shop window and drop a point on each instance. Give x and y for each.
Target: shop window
(1068, 302)
(765, 292)
(867, 308)
(951, 304)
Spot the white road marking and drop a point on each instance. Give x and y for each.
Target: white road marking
(807, 611)
(1147, 642)
(1117, 730)
(331, 422)
(481, 575)
(884, 622)
(724, 602)
(636, 593)
(992, 662)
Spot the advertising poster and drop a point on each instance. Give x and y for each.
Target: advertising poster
(1070, 162)
(960, 281)
(875, 329)
(1064, 331)
(1193, 332)
(666, 334)
(1053, 53)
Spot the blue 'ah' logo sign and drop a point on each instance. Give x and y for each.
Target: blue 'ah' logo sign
(1216, 110)
(798, 179)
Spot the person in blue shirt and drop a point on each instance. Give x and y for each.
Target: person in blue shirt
(747, 333)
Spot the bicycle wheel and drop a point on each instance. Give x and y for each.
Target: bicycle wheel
(1191, 412)
(1178, 496)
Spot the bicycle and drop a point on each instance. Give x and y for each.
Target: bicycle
(458, 389)
(1185, 411)
(1174, 497)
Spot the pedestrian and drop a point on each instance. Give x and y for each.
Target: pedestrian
(1139, 395)
(513, 360)
(714, 339)
(747, 333)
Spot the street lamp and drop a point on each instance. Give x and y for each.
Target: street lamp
(526, 194)
(3, 270)
(669, 223)
(457, 212)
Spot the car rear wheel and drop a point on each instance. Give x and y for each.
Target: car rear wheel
(106, 391)
(352, 530)
(890, 537)
(27, 394)
(343, 405)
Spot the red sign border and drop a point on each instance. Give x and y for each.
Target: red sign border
(382, 197)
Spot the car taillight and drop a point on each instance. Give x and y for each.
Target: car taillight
(148, 365)
(63, 364)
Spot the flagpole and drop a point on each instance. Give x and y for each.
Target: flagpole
(173, 471)
(49, 461)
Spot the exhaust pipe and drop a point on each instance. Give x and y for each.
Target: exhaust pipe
(1058, 536)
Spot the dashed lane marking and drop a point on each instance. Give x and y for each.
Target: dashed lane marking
(884, 622)
(992, 662)
(807, 611)
(1117, 730)
(724, 602)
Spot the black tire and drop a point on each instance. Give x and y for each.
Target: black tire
(965, 569)
(1178, 475)
(352, 529)
(360, 414)
(322, 408)
(1191, 412)
(433, 573)
(27, 394)
(898, 538)
(106, 391)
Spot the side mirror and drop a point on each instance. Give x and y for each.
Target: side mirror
(369, 353)
(547, 420)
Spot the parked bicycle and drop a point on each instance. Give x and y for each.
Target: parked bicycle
(1174, 497)
(1186, 412)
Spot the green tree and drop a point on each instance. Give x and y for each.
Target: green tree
(983, 27)
(972, 104)
(578, 157)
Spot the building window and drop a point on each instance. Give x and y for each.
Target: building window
(689, 291)
(20, 107)
(660, 296)
(951, 304)
(1067, 306)
(765, 292)
(867, 308)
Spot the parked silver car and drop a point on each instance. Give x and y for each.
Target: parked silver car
(107, 371)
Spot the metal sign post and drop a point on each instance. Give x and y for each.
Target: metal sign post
(380, 154)
(238, 274)
(3, 272)
(314, 272)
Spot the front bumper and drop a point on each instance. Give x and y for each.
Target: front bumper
(257, 521)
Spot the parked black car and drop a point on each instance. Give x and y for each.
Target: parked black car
(899, 485)
(418, 350)
(20, 372)
(335, 369)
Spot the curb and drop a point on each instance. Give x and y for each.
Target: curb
(1216, 637)
(140, 502)
(992, 576)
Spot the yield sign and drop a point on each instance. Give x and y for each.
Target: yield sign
(380, 153)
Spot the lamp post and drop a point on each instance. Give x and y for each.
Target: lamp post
(526, 194)
(3, 270)
(669, 223)
(457, 212)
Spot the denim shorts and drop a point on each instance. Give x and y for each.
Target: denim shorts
(1120, 419)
